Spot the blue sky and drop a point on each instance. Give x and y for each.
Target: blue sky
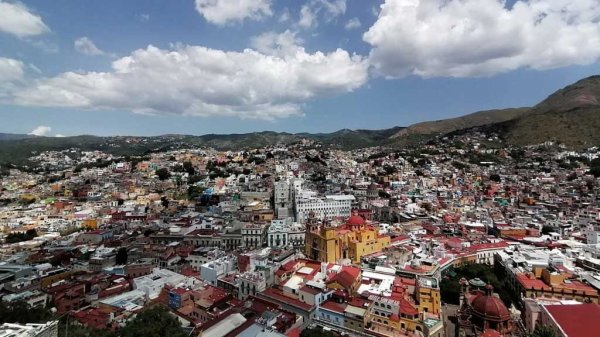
(194, 67)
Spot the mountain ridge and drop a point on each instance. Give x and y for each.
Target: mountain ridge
(570, 115)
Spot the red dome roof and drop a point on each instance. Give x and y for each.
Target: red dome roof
(356, 220)
(490, 308)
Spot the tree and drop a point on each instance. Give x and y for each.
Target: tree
(547, 229)
(450, 287)
(75, 330)
(19, 237)
(194, 192)
(121, 257)
(164, 202)
(21, 312)
(187, 166)
(383, 194)
(153, 322)
(163, 173)
(459, 165)
(316, 332)
(541, 331)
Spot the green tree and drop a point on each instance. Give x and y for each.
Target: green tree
(164, 202)
(121, 257)
(163, 173)
(547, 229)
(189, 168)
(450, 287)
(153, 322)
(21, 312)
(194, 192)
(19, 237)
(317, 331)
(541, 331)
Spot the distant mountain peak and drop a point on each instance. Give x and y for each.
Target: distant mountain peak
(581, 94)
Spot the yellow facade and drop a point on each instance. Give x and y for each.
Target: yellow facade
(90, 223)
(330, 244)
(428, 299)
(381, 324)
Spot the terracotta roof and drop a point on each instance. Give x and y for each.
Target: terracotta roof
(490, 333)
(490, 308)
(576, 320)
(345, 278)
(407, 308)
(310, 290)
(532, 283)
(277, 295)
(333, 306)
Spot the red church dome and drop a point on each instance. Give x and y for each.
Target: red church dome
(490, 308)
(356, 220)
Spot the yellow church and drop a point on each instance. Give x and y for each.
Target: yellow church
(352, 240)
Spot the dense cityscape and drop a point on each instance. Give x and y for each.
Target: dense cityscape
(314, 168)
(460, 237)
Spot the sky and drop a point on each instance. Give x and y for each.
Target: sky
(151, 67)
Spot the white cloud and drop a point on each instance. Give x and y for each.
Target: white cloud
(327, 9)
(58, 135)
(199, 81)
(271, 43)
(465, 38)
(17, 19)
(10, 70)
(285, 16)
(86, 46)
(12, 74)
(221, 12)
(145, 17)
(353, 23)
(307, 17)
(41, 130)
(375, 10)
(333, 7)
(43, 45)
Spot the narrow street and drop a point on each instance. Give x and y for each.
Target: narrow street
(449, 317)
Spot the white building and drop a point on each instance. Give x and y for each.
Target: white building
(253, 235)
(211, 271)
(282, 199)
(285, 233)
(152, 284)
(330, 206)
(250, 284)
(49, 329)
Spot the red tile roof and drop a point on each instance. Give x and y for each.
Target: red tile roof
(310, 290)
(333, 306)
(345, 278)
(279, 296)
(576, 320)
(295, 332)
(490, 333)
(532, 283)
